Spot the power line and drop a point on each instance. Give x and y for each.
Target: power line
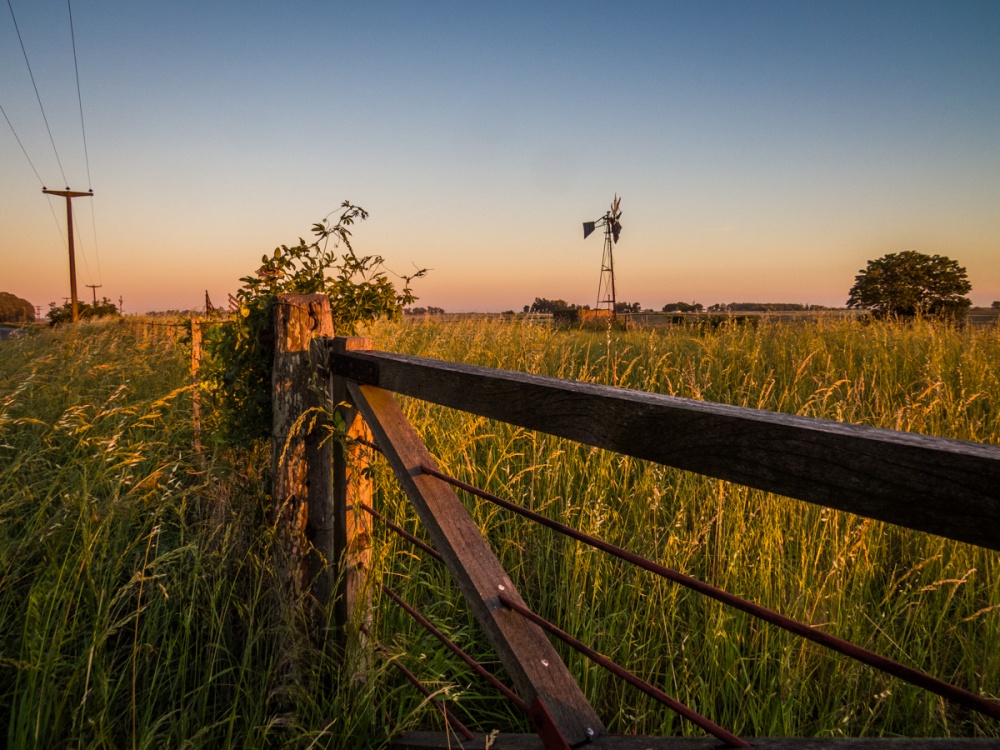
(79, 97)
(37, 95)
(23, 150)
(86, 152)
(97, 250)
(83, 251)
(55, 220)
(41, 182)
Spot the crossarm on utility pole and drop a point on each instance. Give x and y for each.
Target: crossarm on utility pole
(69, 195)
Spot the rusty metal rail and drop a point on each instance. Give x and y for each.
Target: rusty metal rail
(651, 690)
(453, 647)
(946, 690)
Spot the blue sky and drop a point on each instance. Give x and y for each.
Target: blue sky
(763, 151)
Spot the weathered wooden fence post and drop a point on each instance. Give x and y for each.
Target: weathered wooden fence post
(195, 392)
(295, 427)
(352, 488)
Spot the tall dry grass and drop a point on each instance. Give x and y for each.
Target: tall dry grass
(931, 603)
(137, 603)
(136, 581)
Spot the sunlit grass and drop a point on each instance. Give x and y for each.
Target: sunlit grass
(928, 602)
(137, 588)
(136, 583)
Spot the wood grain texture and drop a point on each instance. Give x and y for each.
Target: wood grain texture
(352, 488)
(319, 531)
(937, 485)
(529, 658)
(506, 741)
(195, 389)
(297, 320)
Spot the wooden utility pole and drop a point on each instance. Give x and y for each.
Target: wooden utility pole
(94, 288)
(69, 195)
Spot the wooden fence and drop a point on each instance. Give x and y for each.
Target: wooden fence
(946, 487)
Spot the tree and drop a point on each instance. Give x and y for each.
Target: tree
(543, 305)
(909, 283)
(13, 309)
(424, 311)
(628, 307)
(64, 313)
(684, 307)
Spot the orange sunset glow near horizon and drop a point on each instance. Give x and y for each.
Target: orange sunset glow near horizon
(763, 151)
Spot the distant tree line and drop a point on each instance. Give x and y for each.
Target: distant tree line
(684, 307)
(556, 306)
(429, 310)
(764, 307)
(552, 306)
(13, 309)
(628, 307)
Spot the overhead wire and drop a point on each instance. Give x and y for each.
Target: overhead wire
(23, 149)
(41, 182)
(83, 131)
(37, 95)
(83, 252)
(79, 96)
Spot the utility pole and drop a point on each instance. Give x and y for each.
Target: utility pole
(69, 195)
(94, 288)
(121, 305)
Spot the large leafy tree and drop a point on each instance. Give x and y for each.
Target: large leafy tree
(908, 284)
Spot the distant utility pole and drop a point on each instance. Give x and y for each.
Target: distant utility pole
(94, 288)
(121, 305)
(69, 195)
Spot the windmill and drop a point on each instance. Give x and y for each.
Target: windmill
(612, 229)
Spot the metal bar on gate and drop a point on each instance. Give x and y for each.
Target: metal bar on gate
(449, 718)
(453, 647)
(654, 692)
(403, 533)
(890, 666)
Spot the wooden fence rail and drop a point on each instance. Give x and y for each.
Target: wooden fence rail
(938, 485)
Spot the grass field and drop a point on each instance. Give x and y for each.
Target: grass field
(925, 601)
(136, 606)
(136, 598)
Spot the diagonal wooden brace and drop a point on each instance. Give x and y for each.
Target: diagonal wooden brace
(530, 660)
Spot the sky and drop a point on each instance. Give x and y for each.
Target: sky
(764, 151)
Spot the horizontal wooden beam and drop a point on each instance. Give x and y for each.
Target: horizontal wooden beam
(941, 486)
(530, 660)
(505, 741)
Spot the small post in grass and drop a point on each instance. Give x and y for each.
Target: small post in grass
(195, 392)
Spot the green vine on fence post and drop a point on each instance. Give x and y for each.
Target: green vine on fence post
(239, 355)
